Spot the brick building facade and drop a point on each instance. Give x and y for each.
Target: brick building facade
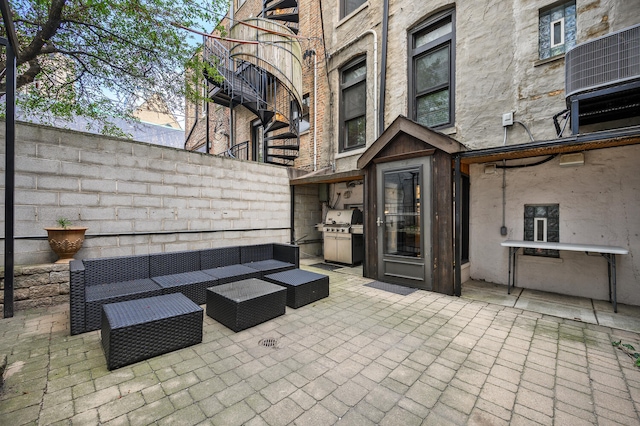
(244, 124)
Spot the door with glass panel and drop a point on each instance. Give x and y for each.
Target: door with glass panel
(403, 222)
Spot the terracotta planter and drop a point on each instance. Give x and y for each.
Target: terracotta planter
(65, 242)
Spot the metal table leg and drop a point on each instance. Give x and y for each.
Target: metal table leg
(511, 281)
(509, 276)
(611, 270)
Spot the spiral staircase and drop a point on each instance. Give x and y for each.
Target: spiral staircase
(284, 11)
(264, 76)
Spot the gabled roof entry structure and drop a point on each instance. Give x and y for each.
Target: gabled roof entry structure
(428, 154)
(402, 125)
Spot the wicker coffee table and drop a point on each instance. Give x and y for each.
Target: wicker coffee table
(139, 329)
(243, 304)
(303, 287)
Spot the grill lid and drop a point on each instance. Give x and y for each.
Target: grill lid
(343, 217)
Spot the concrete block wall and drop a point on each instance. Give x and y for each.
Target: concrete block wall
(139, 198)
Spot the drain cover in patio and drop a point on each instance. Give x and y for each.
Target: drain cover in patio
(393, 288)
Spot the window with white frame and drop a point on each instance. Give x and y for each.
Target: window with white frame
(542, 224)
(432, 70)
(353, 105)
(557, 29)
(540, 229)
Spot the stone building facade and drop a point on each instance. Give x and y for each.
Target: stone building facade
(496, 64)
(505, 58)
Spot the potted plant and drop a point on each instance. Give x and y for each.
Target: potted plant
(65, 240)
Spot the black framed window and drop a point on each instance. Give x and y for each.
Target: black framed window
(348, 6)
(542, 223)
(353, 105)
(432, 70)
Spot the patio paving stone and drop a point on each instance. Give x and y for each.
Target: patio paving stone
(317, 416)
(282, 413)
(360, 356)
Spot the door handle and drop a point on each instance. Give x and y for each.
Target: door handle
(379, 221)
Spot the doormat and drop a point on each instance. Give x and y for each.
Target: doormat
(326, 266)
(392, 288)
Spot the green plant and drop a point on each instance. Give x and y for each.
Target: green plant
(74, 49)
(63, 222)
(629, 350)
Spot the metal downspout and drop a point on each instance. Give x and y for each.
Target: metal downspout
(232, 137)
(206, 121)
(292, 232)
(208, 142)
(315, 111)
(383, 64)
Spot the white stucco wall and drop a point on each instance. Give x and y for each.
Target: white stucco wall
(599, 204)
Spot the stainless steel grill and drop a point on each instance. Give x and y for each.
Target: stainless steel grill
(343, 240)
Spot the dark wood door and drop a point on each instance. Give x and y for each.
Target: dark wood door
(403, 222)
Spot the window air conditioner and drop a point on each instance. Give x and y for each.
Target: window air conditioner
(606, 61)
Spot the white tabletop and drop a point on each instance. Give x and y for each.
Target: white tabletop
(565, 246)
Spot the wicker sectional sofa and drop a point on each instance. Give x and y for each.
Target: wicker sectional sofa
(96, 282)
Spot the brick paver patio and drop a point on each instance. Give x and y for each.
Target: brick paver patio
(362, 356)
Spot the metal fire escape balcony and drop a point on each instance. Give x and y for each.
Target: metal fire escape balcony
(266, 78)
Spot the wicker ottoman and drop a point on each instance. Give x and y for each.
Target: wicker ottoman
(243, 304)
(139, 329)
(303, 287)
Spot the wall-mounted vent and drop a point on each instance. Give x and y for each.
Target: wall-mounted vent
(605, 61)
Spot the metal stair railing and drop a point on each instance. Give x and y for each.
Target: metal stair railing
(239, 151)
(249, 79)
(234, 73)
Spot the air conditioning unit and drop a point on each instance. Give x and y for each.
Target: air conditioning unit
(606, 61)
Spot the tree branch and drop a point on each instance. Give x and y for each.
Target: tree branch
(26, 77)
(77, 54)
(96, 29)
(29, 75)
(46, 32)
